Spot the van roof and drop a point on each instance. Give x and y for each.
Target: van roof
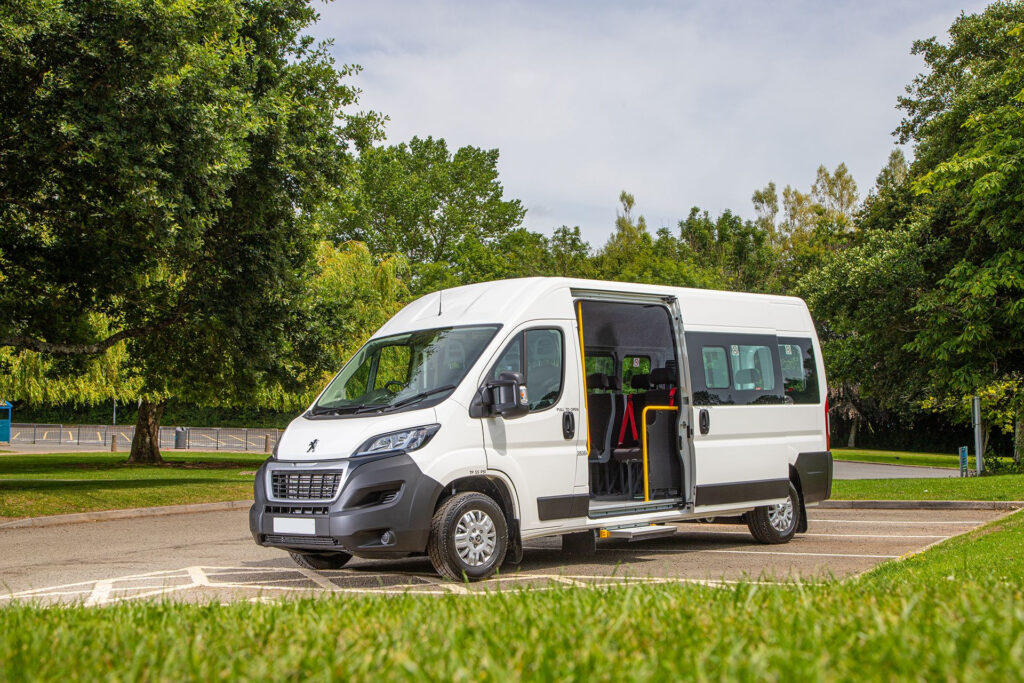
(510, 302)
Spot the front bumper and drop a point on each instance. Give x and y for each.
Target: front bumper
(376, 495)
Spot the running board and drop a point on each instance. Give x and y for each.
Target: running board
(640, 533)
(635, 508)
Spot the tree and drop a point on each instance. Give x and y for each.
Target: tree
(419, 200)
(966, 118)
(160, 167)
(766, 205)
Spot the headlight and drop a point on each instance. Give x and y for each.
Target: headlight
(405, 440)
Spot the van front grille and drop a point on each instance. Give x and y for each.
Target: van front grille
(304, 485)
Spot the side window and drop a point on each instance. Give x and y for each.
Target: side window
(393, 366)
(543, 367)
(602, 364)
(538, 355)
(735, 369)
(634, 365)
(716, 367)
(752, 367)
(799, 370)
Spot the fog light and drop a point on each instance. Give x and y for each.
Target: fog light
(387, 538)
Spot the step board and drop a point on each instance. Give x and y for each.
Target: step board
(641, 533)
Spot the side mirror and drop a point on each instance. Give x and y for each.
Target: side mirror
(508, 395)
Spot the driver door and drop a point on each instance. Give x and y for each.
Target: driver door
(540, 451)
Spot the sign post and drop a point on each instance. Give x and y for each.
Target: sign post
(963, 461)
(978, 440)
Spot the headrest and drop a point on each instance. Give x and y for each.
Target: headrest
(614, 383)
(661, 377)
(748, 376)
(640, 381)
(597, 381)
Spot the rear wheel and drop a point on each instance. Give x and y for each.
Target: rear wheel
(468, 537)
(776, 523)
(323, 561)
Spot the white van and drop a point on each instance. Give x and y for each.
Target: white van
(483, 416)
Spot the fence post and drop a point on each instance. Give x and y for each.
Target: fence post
(33, 434)
(266, 443)
(217, 437)
(60, 434)
(113, 443)
(246, 438)
(79, 435)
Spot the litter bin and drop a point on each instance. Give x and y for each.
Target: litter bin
(180, 437)
(5, 422)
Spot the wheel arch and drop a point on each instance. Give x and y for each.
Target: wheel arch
(489, 485)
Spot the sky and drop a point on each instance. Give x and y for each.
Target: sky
(687, 103)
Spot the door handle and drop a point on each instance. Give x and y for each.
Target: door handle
(705, 421)
(568, 425)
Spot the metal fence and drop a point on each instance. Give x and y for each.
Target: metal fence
(202, 438)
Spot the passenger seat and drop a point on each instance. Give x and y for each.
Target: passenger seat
(628, 425)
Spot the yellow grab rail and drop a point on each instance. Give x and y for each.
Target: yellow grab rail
(643, 420)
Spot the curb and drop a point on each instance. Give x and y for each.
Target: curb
(921, 504)
(130, 513)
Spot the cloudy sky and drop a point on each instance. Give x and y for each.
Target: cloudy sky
(681, 103)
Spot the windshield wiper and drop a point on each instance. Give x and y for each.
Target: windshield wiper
(333, 411)
(418, 397)
(407, 401)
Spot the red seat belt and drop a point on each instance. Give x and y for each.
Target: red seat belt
(627, 416)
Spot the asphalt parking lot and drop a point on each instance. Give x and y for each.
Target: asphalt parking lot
(210, 556)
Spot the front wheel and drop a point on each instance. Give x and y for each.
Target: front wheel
(776, 523)
(468, 537)
(323, 561)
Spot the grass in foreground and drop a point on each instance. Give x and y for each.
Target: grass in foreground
(56, 483)
(1002, 487)
(901, 457)
(954, 613)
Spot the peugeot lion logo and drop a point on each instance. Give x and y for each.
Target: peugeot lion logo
(312, 445)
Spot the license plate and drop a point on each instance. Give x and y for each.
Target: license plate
(292, 525)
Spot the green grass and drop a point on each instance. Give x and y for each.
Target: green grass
(57, 483)
(901, 457)
(955, 612)
(1002, 487)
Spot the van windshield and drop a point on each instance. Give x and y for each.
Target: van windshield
(391, 373)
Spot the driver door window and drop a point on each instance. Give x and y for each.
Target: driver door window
(542, 355)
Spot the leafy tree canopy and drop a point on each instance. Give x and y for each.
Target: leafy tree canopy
(161, 163)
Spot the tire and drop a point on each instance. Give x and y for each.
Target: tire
(325, 561)
(481, 524)
(776, 523)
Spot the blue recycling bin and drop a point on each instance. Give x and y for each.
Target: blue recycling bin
(5, 422)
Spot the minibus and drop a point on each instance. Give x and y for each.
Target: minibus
(483, 416)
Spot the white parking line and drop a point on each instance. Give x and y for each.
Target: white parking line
(889, 521)
(640, 551)
(747, 533)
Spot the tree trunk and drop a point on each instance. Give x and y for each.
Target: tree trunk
(852, 441)
(146, 444)
(1018, 436)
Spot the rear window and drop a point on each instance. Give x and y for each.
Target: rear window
(799, 370)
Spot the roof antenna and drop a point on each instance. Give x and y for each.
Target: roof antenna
(440, 294)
